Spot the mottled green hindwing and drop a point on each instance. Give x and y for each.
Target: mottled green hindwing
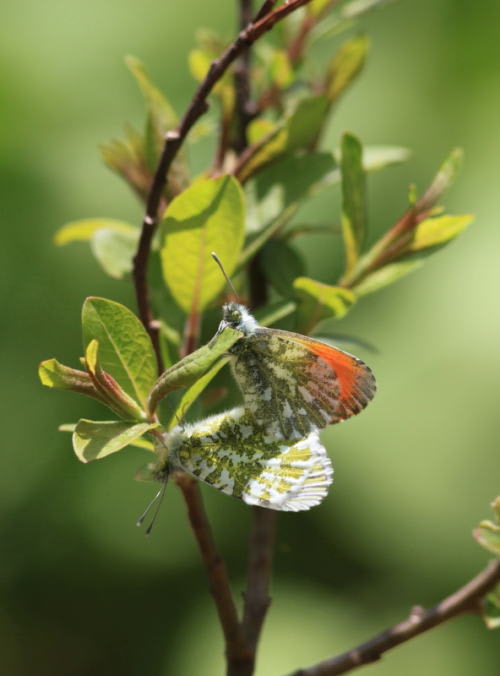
(231, 453)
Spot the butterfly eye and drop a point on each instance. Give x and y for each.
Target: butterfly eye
(232, 315)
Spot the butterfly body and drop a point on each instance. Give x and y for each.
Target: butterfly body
(291, 383)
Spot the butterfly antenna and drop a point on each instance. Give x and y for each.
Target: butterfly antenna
(160, 493)
(219, 263)
(157, 510)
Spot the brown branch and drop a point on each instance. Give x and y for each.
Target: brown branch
(265, 20)
(297, 46)
(260, 559)
(465, 600)
(265, 9)
(240, 659)
(223, 143)
(244, 109)
(216, 570)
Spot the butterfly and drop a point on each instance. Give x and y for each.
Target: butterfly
(231, 453)
(293, 385)
(268, 452)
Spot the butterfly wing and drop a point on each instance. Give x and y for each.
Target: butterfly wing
(293, 384)
(232, 454)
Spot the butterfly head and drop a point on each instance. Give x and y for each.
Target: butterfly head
(236, 316)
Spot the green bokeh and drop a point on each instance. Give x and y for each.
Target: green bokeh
(82, 592)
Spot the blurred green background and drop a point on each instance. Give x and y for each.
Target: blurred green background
(82, 591)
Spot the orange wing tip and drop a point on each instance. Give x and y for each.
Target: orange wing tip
(356, 380)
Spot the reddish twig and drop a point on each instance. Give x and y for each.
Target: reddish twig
(260, 559)
(245, 111)
(240, 650)
(265, 9)
(465, 600)
(215, 568)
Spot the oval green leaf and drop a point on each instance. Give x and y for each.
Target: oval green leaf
(192, 393)
(438, 231)
(208, 216)
(353, 199)
(387, 275)
(54, 374)
(141, 442)
(491, 609)
(115, 250)
(84, 229)
(345, 66)
(95, 440)
(320, 301)
(187, 371)
(299, 130)
(125, 349)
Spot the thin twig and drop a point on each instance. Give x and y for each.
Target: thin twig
(215, 568)
(465, 600)
(260, 560)
(174, 140)
(223, 143)
(244, 110)
(265, 9)
(240, 661)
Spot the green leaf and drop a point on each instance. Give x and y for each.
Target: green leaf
(379, 157)
(83, 230)
(356, 8)
(444, 178)
(353, 199)
(488, 536)
(437, 231)
(259, 129)
(495, 505)
(286, 182)
(126, 352)
(200, 60)
(208, 216)
(387, 275)
(303, 124)
(112, 394)
(491, 610)
(316, 7)
(115, 250)
(138, 443)
(374, 159)
(199, 63)
(281, 69)
(320, 301)
(274, 312)
(298, 130)
(281, 265)
(127, 157)
(186, 371)
(162, 111)
(488, 533)
(161, 115)
(344, 18)
(54, 374)
(334, 339)
(95, 440)
(346, 64)
(193, 392)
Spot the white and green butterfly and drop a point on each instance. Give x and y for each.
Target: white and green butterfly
(231, 453)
